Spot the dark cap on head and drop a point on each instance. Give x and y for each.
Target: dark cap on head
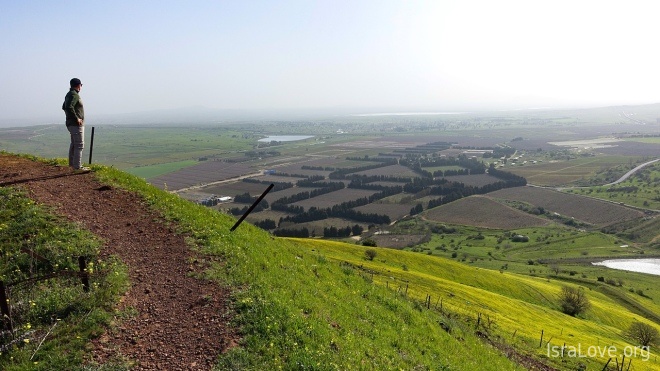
(75, 82)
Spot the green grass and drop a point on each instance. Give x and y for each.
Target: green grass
(653, 140)
(128, 146)
(52, 319)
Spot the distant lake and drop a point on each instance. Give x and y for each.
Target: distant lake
(285, 138)
(650, 266)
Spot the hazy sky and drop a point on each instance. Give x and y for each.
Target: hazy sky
(383, 55)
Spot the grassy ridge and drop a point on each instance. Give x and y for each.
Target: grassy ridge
(297, 310)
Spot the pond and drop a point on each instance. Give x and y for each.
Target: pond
(285, 138)
(649, 266)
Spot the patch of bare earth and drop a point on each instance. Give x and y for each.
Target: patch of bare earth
(181, 323)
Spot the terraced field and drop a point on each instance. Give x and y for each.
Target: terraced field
(483, 212)
(585, 209)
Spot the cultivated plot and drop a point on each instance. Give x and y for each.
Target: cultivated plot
(205, 172)
(391, 170)
(334, 198)
(593, 211)
(483, 212)
(394, 211)
(477, 180)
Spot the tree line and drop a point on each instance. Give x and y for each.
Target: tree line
(278, 186)
(333, 231)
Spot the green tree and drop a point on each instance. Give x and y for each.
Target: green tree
(573, 300)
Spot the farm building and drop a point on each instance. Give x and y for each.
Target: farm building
(213, 200)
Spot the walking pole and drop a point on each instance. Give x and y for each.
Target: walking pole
(252, 207)
(91, 146)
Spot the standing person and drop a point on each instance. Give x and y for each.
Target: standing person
(75, 120)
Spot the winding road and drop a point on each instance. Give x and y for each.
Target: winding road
(631, 172)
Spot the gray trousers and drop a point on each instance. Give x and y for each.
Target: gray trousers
(77, 144)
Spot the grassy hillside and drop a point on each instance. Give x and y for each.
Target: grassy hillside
(308, 301)
(311, 304)
(299, 310)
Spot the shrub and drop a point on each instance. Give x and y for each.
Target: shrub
(573, 300)
(370, 254)
(369, 242)
(520, 238)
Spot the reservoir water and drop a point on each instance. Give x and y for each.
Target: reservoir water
(285, 138)
(650, 266)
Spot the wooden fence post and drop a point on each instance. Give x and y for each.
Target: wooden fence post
(541, 342)
(84, 276)
(4, 307)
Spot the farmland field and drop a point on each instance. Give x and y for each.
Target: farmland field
(152, 171)
(334, 198)
(477, 180)
(316, 227)
(272, 196)
(483, 212)
(391, 170)
(585, 209)
(234, 188)
(394, 211)
(560, 173)
(266, 214)
(205, 172)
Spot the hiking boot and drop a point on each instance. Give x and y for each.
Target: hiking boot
(82, 169)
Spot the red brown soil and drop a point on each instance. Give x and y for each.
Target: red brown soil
(182, 323)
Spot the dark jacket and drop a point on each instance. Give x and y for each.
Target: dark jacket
(73, 108)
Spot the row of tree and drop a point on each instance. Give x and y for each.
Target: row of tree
(277, 186)
(344, 211)
(330, 187)
(318, 168)
(333, 231)
(294, 232)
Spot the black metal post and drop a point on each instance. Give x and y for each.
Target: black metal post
(4, 307)
(84, 277)
(252, 207)
(91, 146)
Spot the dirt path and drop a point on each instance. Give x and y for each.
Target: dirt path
(181, 322)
